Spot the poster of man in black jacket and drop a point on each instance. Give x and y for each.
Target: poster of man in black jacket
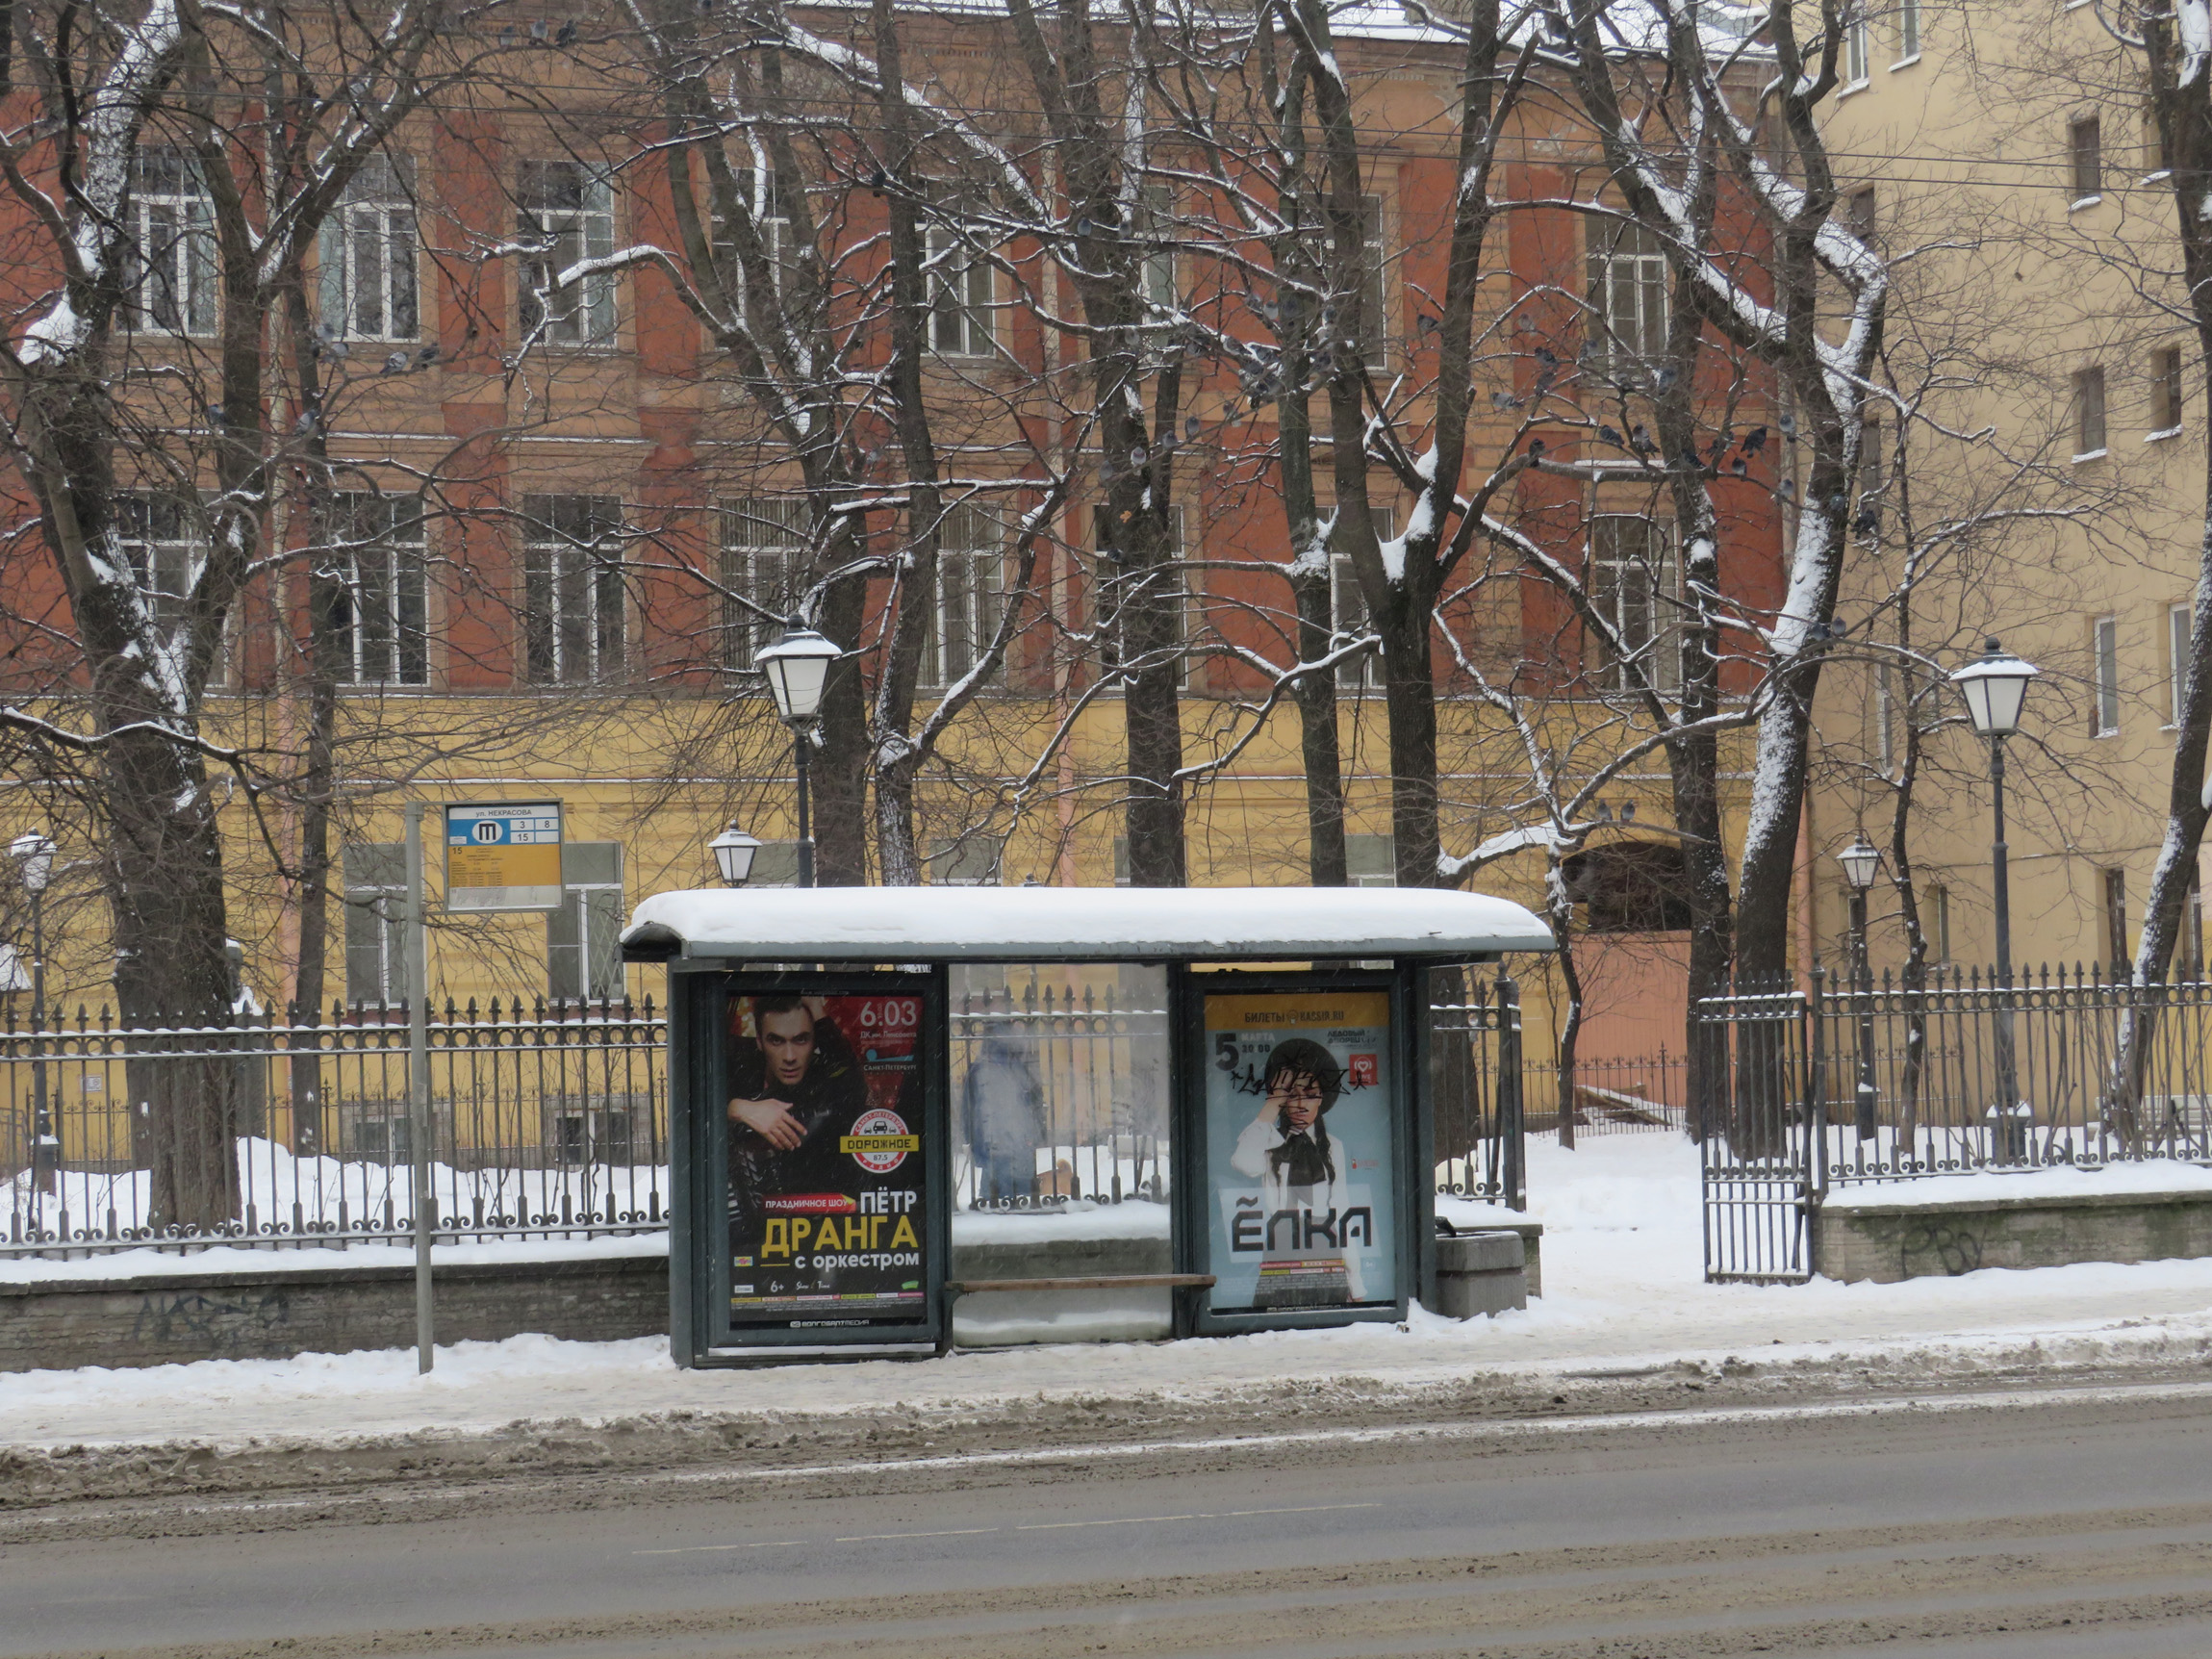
(824, 1165)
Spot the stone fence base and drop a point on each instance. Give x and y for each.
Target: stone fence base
(1858, 1237)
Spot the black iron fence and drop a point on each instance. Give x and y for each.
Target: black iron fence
(551, 1120)
(547, 1121)
(1832, 1085)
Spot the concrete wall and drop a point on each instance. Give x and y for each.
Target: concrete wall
(161, 1318)
(1888, 1243)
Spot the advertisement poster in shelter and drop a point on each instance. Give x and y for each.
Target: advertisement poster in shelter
(827, 1223)
(1299, 1112)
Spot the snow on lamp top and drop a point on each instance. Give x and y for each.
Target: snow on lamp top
(796, 667)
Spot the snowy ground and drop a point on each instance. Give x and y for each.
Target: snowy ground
(1623, 1290)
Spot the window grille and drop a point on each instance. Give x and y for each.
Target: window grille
(2105, 641)
(583, 937)
(970, 595)
(2085, 155)
(2165, 390)
(2089, 436)
(160, 536)
(375, 887)
(1628, 299)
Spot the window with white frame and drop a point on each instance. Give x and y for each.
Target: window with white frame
(1370, 860)
(1157, 225)
(375, 887)
(170, 258)
(573, 588)
(1628, 288)
(583, 937)
(161, 537)
(764, 541)
(1374, 285)
(2104, 650)
(381, 614)
(1936, 931)
(1858, 46)
(1888, 754)
(1907, 16)
(760, 195)
(1348, 615)
(367, 257)
(971, 861)
(2180, 629)
(1118, 587)
(1631, 587)
(970, 597)
(961, 291)
(565, 214)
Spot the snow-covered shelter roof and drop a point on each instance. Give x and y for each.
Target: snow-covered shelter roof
(1075, 924)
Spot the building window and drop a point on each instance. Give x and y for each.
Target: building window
(1119, 586)
(1632, 586)
(1370, 862)
(1858, 48)
(2085, 158)
(775, 865)
(1936, 934)
(1908, 16)
(764, 541)
(160, 537)
(1887, 751)
(965, 860)
(380, 618)
(2113, 884)
(1348, 617)
(2192, 932)
(2180, 630)
(768, 212)
(2105, 647)
(1873, 478)
(1628, 283)
(1858, 214)
(2088, 414)
(172, 263)
(583, 937)
(1374, 286)
(366, 258)
(1158, 228)
(375, 878)
(2166, 392)
(961, 291)
(568, 213)
(970, 599)
(573, 582)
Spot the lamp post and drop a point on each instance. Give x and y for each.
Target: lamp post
(1862, 861)
(35, 853)
(797, 668)
(1994, 685)
(733, 852)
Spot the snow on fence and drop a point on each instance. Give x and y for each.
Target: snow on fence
(547, 1121)
(552, 1121)
(1831, 1086)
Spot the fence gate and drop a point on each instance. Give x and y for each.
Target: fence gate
(1763, 1135)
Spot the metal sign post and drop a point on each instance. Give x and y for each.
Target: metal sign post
(419, 1082)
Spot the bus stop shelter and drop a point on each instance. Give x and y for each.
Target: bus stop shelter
(901, 1117)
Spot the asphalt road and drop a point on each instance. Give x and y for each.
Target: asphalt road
(2078, 1526)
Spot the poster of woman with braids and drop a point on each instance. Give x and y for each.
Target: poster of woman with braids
(1299, 1127)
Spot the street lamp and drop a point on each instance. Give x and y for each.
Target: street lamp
(33, 852)
(733, 851)
(1862, 862)
(1994, 685)
(798, 669)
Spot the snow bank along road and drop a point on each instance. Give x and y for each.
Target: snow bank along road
(2068, 1522)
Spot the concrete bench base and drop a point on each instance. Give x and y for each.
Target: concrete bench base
(1481, 1273)
(1866, 1240)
